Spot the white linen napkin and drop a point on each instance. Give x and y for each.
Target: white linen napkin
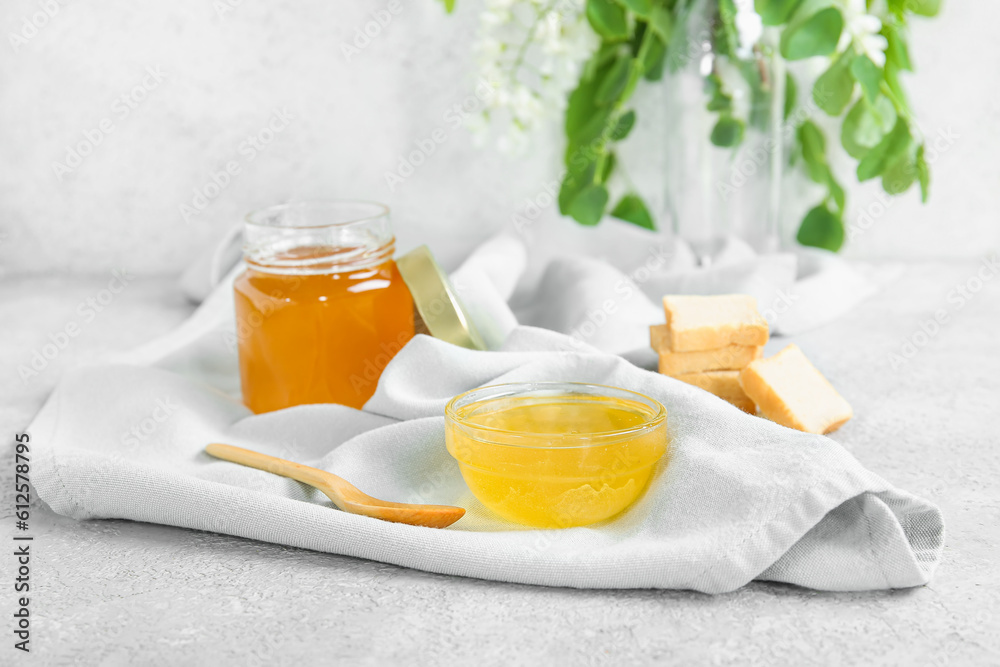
(739, 498)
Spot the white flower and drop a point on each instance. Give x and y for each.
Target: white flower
(525, 107)
(549, 33)
(863, 29)
(532, 53)
(488, 50)
(492, 74)
(749, 28)
(514, 141)
(564, 74)
(495, 18)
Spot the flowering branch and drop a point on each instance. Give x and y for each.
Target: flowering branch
(863, 42)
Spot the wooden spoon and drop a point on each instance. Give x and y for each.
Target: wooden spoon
(344, 495)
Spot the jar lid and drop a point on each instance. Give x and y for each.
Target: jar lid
(436, 301)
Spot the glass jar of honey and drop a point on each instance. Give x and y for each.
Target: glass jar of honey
(322, 306)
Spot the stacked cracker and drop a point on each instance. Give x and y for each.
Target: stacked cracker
(716, 343)
(708, 340)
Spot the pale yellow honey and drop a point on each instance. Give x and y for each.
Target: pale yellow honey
(556, 461)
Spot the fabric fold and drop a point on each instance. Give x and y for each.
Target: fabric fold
(737, 498)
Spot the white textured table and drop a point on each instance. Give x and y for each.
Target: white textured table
(115, 592)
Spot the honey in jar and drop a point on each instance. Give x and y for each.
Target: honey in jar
(321, 308)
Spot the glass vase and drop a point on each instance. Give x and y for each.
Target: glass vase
(725, 133)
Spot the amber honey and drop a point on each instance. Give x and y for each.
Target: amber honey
(317, 323)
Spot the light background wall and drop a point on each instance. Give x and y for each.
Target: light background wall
(352, 120)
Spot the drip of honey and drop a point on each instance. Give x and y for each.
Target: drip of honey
(318, 337)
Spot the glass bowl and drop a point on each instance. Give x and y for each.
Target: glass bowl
(555, 454)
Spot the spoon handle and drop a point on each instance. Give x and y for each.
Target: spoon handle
(272, 464)
(342, 493)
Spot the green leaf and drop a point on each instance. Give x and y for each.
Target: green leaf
(609, 166)
(891, 74)
(814, 152)
(836, 192)
(719, 103)
(662, 23)
(835, 87)
(585, 122)
(600, 60)
(614, 81)
(728, 132)
(812, 143)
(726, 39)
(631, 208)
(865, 125)
(775, 12)
(636, 38)
(791, 93)
(855, 130)
(924, 7)
(590, 139)
(607, 19)
(623, 126)
(640, 8)
(449, 5)
(884, 115)
(587, 207)
(919, 7)
(868, 74)
(717, 99)
(900, 175)
(812, 139)
(821, 228)
(581, 107)
(576, 179)
(923, 175)
(653, 60)
(885, 152)
(897, 55)
(814, 30)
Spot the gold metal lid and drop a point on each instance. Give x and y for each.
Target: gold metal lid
(435, 300)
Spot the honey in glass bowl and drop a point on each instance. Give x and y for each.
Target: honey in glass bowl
(556, 454)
